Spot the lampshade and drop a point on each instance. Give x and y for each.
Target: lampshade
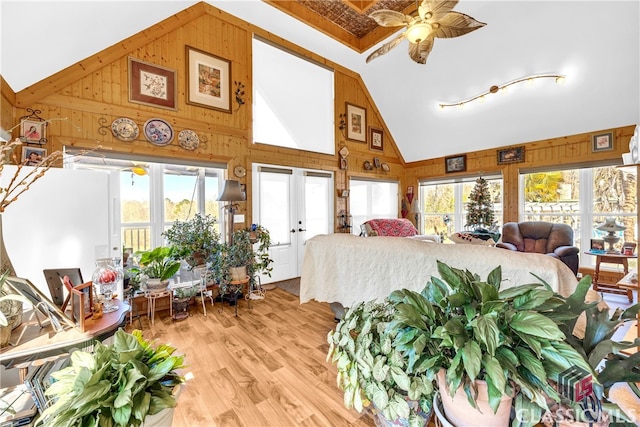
(610, 225)
(418, 32)
(415, 207)
(231, 192)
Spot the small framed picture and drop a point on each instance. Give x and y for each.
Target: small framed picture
(376, 142)
(33, 131)
(344, 193)
(376, 162)
(356, 123)
(151, 84)
(32, 156)
(455, 163)
(208, 80)
(597, 245)
(602, 142)
(511, 155)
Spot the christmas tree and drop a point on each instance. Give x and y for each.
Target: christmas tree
(480, 207)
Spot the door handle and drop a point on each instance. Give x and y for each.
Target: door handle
(293, 230)
(300, 229)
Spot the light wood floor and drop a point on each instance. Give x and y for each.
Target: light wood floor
(265, 367)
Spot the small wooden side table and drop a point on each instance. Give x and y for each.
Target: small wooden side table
(629, 282)
(611, 258)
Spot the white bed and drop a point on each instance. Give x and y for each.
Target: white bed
(344, 269)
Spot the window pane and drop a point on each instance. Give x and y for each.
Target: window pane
(614, 195)
(211, 194)
(316, 197)
(180, 197)
(134, 196)
(274, 200)
(372, 199)
(438, 208)
(138, 238)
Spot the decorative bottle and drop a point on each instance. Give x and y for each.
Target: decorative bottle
(105, 279)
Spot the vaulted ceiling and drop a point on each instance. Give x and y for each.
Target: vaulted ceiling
(596, 44)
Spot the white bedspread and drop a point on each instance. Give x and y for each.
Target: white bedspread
(344, 268)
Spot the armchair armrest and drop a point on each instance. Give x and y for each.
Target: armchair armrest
(505, 245)
(563, 251)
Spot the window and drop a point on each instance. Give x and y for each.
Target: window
(293, 100)
(583, 198)
(154, 195)
(372, 199)
(443, 204)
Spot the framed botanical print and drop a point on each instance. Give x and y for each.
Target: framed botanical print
(208, 80)
(356, 123)
(376, 139)
(602, 142)
(151, 84)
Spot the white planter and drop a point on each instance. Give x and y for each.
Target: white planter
(157, 285)
(460, 413)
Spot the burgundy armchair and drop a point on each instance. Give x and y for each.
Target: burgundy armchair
(541, 237)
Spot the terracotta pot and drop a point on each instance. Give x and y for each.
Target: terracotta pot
(460, 413)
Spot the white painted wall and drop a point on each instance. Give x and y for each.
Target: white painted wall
(62, 221)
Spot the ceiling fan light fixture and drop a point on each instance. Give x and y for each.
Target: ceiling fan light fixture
(139, 170)
(418, 32)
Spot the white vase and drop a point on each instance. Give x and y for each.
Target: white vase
(460, 413)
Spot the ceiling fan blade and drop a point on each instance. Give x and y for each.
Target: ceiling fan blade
(455, 24)
(390, 18)
(385, 47)
(419, 51)
(434, 10)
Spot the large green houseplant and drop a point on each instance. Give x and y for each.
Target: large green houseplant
(197, 238)
(158, 265)
(372, 370)
(593, 339)
(250, 249)
(467, 329)
(120, 384)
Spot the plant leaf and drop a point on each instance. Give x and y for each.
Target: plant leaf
(536, 324)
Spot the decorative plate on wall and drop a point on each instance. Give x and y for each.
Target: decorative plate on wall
(125, 129)
(239, 171)
(188, 139)
(158, 132)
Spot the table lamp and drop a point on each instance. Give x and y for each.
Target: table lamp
(611, 227)
(231, 193)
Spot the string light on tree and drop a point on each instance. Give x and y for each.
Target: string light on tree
(480, 206)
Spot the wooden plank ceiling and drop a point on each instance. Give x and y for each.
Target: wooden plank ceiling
(347, 21)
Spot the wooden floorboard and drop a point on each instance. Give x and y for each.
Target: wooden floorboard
(265, 367)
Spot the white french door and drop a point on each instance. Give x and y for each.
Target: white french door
(294, 205)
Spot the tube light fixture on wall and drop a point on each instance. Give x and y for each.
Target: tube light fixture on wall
(559, 79)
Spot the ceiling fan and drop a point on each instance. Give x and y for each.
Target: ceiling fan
(436, 18)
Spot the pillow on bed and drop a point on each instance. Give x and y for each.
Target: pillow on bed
(471, 239)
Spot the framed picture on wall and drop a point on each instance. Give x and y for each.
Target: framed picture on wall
(602, 142)
(208, 80)
(32, 156)
(511, 155)
(33, 131)
(455, 163)
(376, 142)
(356, 123)
(151, 84)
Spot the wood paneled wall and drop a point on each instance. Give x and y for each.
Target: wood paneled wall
(575, 150)
(82, 100)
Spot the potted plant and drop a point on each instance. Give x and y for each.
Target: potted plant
(159, 265)
(372, 370)
(469, 333)
(197, 238)
(127, 383)
(181, 300)
(243, 259)
(593, 340)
